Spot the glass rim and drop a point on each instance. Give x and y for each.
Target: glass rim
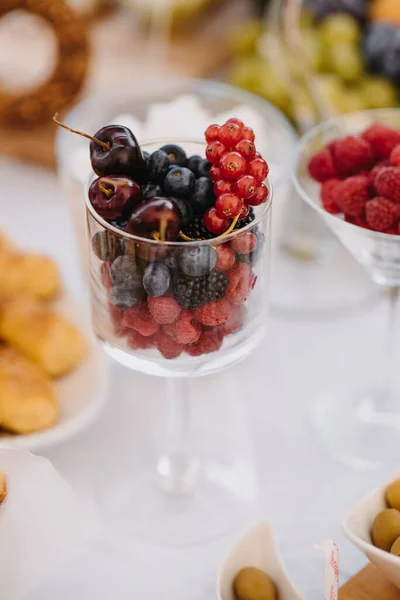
(266, 207)
(302, 144)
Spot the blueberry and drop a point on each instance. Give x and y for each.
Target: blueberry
(202, 197)
(203, 168)
(119, 224)
(125, 297)
(176, 155)
(193, 164)
(172, 261)
(106, 246)
(145, 155)
(185, 209)
(377, 41)
(391, 60)
(156, 279)
(356, 8)
(157, 166)
(149, 190)
(196, 262)
(179, 182)
(125, 272)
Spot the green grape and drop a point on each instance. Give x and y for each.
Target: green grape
(313, 49)
(245, 72)
(330, 90)
(379, 92)
(346, 62)
(353, 100)
(274, 89)
(243, 39)
(338, 28)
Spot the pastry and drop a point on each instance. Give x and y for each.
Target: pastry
(28, 273)
(3, 486)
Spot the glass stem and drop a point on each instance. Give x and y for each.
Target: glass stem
(177, 467)
(389, 354)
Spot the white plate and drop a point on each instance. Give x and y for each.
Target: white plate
(81, 394)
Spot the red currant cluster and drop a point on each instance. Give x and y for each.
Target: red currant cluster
(238, 172)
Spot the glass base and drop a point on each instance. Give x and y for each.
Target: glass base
(219, 494)
(311, 289)
(356, 433)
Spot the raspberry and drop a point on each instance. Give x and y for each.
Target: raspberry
(213, 313)
(116, 314)
(321, 166)
(359, 221)
(225, 258)
(381, 213)
(137, 341)
(383, 139)
(105, 275)
(351, 155)
(326, 194)
(164, 310)
(395, 156)
(168, 348)
(241, 281)
(209, 341)
(351, 195)
(244, 243)
(374, 173)
(236, 320)
(387, 183)
(183, 330)
(138, 317)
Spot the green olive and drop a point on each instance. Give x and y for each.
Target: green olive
(395, 549)
(393, 494)
(386, 529)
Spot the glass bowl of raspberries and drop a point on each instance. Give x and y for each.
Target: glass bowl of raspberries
(179, 253)
(348, 169)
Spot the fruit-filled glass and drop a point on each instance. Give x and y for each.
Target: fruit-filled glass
(178, 309)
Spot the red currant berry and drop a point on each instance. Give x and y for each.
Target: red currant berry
(211, 133)
(244, 212)
(214, 152)
(245, 187)
(228, 206)
(248, 134)
(214, 223)
(247, 149)
(258, 168)
(222, 186)
(259, 196)
(215, 173)
(244, 243)
(232, 165)
(236, 121)
(225, 257)
(230, 134)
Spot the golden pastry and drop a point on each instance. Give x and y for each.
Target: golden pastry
(27, 400)
(29, 273)
(3, 486)
(40, 334)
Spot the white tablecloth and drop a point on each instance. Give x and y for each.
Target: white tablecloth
(304, 492)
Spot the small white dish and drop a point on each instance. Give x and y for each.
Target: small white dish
(80, 394)
(257, 548)
(357, 527)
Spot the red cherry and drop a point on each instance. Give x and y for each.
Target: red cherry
(225, 257)
(214, 152)
(211, 133)
(228, 206)
(230, 134)
(222, 186)
(258, 168)
(248, 134)
(232, 165)
(259, 196)
(244, 212)
(245, 187)
(246, 148)
(215, 173)
(236, 121)
(214, 223)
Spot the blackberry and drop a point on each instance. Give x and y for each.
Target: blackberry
(246, 221)
(196, 229)
(192, 292)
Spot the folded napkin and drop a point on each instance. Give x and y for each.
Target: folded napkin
(42, 523)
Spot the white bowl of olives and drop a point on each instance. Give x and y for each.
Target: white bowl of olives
(254, 570)
(373, 525)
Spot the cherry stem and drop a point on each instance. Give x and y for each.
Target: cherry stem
(104, 145)
(106, 191)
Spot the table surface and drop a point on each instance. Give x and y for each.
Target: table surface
(304, 492)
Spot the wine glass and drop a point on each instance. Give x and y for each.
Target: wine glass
(349, 422)
(202, 483)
